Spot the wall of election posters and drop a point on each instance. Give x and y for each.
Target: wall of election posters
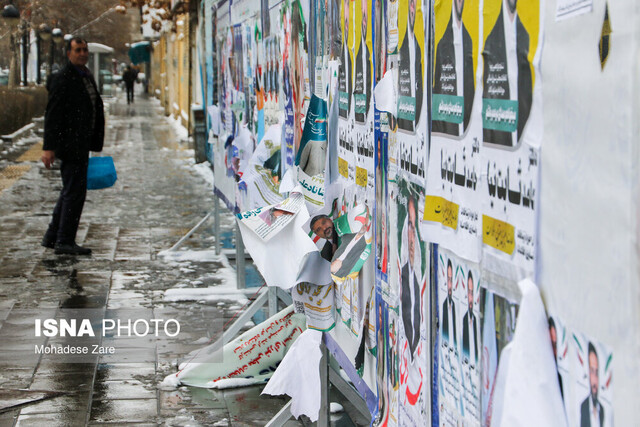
(395, 149)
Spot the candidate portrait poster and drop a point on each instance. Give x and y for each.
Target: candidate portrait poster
(511, 134)
(412, 258)
(591, 401)
(453, 207)
(460, 344)
(346, 118)
(363, 81)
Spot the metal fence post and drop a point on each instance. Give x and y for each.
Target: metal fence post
(240, 272)
(216, 226)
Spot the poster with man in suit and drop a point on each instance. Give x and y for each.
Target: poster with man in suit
(592, 383)
(453, 203)
(412, 271)
(507, 78)
(453, 76)
(511, 132)
(460, 345)
(346, 133)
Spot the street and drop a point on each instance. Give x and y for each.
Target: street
(158, 197)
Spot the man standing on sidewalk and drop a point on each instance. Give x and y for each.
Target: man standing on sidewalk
(129, 77)
(73, 126)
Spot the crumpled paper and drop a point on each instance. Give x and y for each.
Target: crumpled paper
(298, 376)
(531, 391)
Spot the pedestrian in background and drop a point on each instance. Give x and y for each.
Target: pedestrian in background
(73, 126)
(129, 77)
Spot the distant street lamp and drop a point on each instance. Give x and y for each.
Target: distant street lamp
(43, 33)
(11, 15)
(56, 38)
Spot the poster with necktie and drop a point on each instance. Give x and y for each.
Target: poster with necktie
(460, 346)
(453, 197)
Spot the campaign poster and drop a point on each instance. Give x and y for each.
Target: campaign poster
(560, 341)
(346, 119)
(381, 211)
(511, 134)
(354, 232)
(414, 342)
(299, 67)
(288, 133)
(387, 364)
(272, 86)
(363, 80)
(411, 124)
(453, 207)
(312, 154)
(316, 302)
(498, 326)
(592, 402)
(268, 221)
(460, 344)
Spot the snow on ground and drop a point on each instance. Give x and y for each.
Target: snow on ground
(226, 291)
(204, 170)
(181, 132)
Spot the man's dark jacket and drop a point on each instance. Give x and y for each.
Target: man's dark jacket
(446, 55)
(495, 56)
(68, 118)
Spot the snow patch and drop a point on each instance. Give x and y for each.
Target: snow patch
(176, 124)
(212, 293)
(233, 383)
(200, 256)
(170, 382)
(335, 407)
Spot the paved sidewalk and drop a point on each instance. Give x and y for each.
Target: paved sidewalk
(158, 197)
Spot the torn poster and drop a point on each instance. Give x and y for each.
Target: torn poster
(531, 393)
(299, 376)
(460, 344)
(453, 202)
(512, 135)
(254, 354)
(316, 302)
(498, 326)
(355, 237)
(268, 221)
(281, 258)
(262, 176)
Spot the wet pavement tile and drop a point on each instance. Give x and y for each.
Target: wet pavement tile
(78, 401)
(124, 411)
(125, 371)
(123, 389)
(63, 381)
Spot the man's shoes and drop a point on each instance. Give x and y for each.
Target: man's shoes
(71, 249)
(48, 243)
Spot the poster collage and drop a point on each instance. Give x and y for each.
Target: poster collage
(406, 137)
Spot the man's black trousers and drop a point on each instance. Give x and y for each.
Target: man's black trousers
(66, 214)
(129, 93)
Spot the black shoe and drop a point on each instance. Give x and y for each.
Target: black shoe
(48, 243)
(71, 249)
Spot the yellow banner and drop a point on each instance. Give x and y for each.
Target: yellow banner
(343, 167)
(498, 234)
(441, 210)
(361, 176)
